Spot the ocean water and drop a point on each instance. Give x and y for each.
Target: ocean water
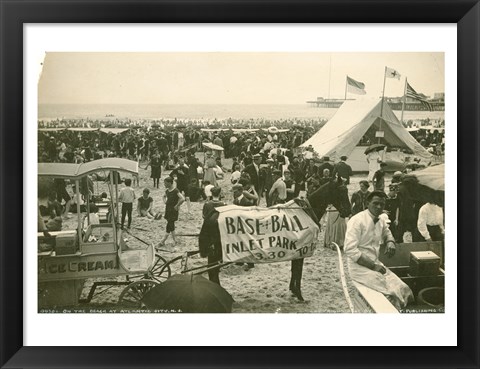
(200, 112)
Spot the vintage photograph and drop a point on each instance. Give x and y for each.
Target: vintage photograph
(241, 182)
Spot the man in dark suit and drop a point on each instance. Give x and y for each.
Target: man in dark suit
(325, 165)
(240, 200)
(253, 171)
(266, 179)
(210, 206)
(238, 197)
(343, 169)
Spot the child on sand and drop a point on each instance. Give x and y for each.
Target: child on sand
(145, 205)
(173, 199)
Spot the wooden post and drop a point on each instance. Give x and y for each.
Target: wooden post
(80, 225)
(88, 202)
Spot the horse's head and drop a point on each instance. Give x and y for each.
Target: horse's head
(332, 192)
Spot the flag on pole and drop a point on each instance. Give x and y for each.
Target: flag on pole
(392, 73)
(355, 87)
(414, 95)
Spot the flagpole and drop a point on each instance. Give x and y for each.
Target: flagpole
(329, 75)
(346, 87)
(383, 96)
(404, 98)
(383, 92)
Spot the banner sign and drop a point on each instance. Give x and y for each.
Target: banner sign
(266, 235)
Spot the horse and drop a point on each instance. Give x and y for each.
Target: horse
(332, 192)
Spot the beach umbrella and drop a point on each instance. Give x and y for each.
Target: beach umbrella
(188, 293)
(374, 147)
(432, 177)
(273, 129)
(212, 146)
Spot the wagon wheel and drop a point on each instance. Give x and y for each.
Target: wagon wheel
(161, 269)
(177, 265)
(132, 295)
(173, 267)
(157, 273)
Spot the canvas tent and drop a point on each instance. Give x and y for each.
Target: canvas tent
(343, 132)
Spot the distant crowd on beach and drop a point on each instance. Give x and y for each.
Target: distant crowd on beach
(172, 138)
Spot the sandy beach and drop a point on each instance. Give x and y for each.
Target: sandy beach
(263, 289)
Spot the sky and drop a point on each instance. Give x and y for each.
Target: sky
(229, 77)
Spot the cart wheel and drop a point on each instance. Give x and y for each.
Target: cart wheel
(173, 267)
(178, 264)
(132, 295)
(156, 273)
(161, 269)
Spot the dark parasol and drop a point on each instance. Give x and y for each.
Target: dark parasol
(374, 147)
(189, 293)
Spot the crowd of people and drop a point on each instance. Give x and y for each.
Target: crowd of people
(169, 142)
(268, 168)
(260, 158)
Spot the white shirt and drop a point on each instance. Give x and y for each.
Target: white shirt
(268, 146)
(208, 190)
(239, 198)
(364, 236)
(429, 214)
(235, 177)
(374, 158)
(279, 186)
(218, 172)
(127, 195)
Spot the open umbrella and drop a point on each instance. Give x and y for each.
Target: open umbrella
(432, 177)
(273, 129)
(374, 147)
(188, 293)
(212, 146)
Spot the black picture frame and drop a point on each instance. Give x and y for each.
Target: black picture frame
(466, 14)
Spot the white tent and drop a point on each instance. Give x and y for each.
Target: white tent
(342, 133)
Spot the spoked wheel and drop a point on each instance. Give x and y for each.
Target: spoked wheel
(132, 295)
(172, 267)
(157, 273)
(178, 264)
(161, 270)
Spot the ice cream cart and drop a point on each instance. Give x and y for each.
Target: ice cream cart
(94, 251)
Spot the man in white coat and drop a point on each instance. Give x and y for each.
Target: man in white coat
(365, 232)
(374, 158)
